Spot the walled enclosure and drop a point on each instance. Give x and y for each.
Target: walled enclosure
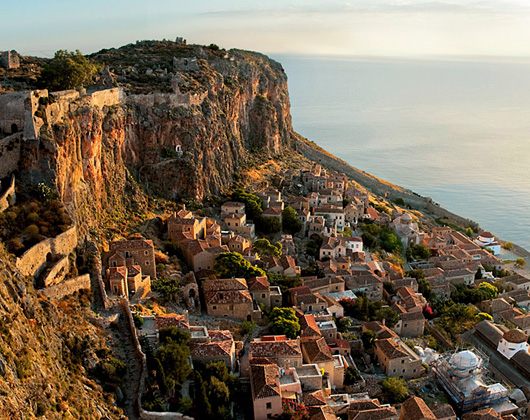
(8, 197)
(34, 259)
(67, 287)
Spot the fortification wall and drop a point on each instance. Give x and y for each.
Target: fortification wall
(12, 111)
(67, 287)
(32, 123)
(32, 261)
(107, 97)
(58, 272)
(10, 154)
(141, 361)
(8, 198)
(172, 100)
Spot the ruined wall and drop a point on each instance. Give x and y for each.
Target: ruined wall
(32, 261)
(58, 272)
(9, 154)
(8, 197)
(67, 287)
(169, 99)
(107, 97)
(12, 111)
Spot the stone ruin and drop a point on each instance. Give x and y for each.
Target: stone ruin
(185, 64)
(10, 59)
(180, 40)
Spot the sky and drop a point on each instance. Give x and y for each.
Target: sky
(392, 28)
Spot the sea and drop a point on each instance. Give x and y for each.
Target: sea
(454, 129)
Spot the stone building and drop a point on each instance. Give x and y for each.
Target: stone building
(397, 359)
(9, 60)
(266, 394)
(140, 252)
(278, 349)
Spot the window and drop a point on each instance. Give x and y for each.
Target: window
(146, 252)
(394, 371)
(269, 406)
(147, 263)
(214, 307)
(269, 416)
(402, 361)
(263, 295)
(220, 295)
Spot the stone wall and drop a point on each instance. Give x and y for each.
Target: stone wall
(34, 259)
(67, 287)
(172, 100)
(10, 154)
(8, 197)
(107, 97)
(58, 272)
(12, 111)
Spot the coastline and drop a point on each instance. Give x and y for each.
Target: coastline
(312, 151)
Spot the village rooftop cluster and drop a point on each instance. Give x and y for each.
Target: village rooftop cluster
(333, 363)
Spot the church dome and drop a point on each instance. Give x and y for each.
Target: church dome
(465, 360)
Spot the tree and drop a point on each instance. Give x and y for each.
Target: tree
(487, 291)
(68, 70)
(387, 314)
(284, 322)
(174, 335)
(424, 288)
(232, 264)
(368, 339)
(253, 204)
(290, 222)
(469, 231)
(351, 376)
(268, 225)
(201, 400)
(417, 252)
(481, 316)
(167, 287)
(520, 262)
(417, 274)
(265, 249)
(395, 389)
(508, 245)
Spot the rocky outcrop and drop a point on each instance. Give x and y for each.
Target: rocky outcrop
(98, 155)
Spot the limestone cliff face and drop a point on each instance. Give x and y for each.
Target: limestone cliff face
(188, 143)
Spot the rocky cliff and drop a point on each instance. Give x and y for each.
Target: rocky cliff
(186, 119)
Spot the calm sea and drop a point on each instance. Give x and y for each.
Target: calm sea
(455, 130)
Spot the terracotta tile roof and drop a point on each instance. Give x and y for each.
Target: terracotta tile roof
(224, 284)
(308, 326)
(310, 299)
(442, 411)
(380, 413)
(272, 211)
(515, 336)
(390, 348)
(315, 398)
(218, 349)
(363, 405)
(274, 349)
(381, 331)
(225, 297)
(233, 204)
(134, 270)
(321, 412)
(264, 381)
(317, 351)
(522, 321)
(485, 414)
(117, 273)
(171, 320)
(288, 262)
(258, 283)
(131, 244)
(415, 408)
(220, 335)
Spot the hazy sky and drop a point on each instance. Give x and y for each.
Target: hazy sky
(331, 27)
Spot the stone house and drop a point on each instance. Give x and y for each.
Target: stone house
(182, 222)
(517, 281)
(324, 285)
(239, 244)
(139, 252)
(367, 283)
(312, 302)
(407, 230)
(273, 212)
(233, 207)
(334, 307)
(278, 349)
(262, 292)
(411, 323)
(415, 408)
(366, 408)
(353, 213)
(265, 388)
(235, 218)
(300, 203)
(397, 359)
(229, 298)
(9, 59)
(462, 276)
(331, 213)
(518, 296)
(200, 255)
(218, 346)
(316, 351)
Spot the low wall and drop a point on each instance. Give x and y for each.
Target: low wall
(107, 97)
(67, 287)
(140, 356)
(170, 99)
(58, 272)
(10, 154)
(33, 260)
(8, 197)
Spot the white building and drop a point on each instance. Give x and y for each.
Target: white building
(512, 342)
(487, 240)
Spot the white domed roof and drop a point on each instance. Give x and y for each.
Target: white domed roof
(465, 360)
(406, 217)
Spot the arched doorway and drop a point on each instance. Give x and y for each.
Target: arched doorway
(14, 128)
